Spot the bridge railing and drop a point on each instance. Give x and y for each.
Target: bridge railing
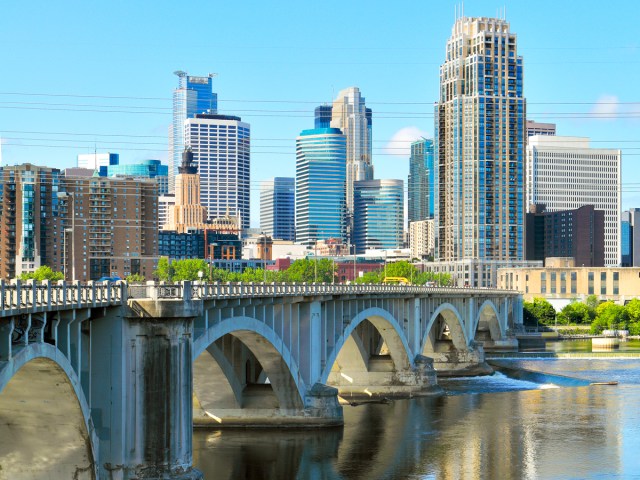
(216, 290)
(31, 295)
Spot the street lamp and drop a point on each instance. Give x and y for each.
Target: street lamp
(200, 275)
(264, 258)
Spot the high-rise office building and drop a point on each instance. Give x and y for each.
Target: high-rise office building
(479, 153)
(146, 169)
(28, 207)
(221, 153)
(187, 213)
(323, 115)
(354, 119)
(630, 237)
(421, 181)
(193, 95)
(378, 214)
(277, 208)
(320, 185)
(95, 161)
(564, 173)
(422, 239)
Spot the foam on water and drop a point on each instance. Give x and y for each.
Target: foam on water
(498, 382)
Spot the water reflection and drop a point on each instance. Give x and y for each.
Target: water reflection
(566, 432)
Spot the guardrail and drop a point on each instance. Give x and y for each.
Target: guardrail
(211, 291)
(31, 295)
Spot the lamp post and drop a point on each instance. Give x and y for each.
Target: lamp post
(200, 275)
(264, 258)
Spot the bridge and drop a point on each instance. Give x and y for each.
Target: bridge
(108, 380)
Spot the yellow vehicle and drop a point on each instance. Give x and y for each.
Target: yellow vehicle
(396, 281)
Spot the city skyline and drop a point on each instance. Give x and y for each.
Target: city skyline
(568, 81)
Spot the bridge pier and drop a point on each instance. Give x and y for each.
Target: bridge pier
(452, 362)
(381, 380)
(142, 406)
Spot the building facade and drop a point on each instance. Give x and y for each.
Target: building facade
(578, 234)
(320, 200)
(187, 213)
(28, 209)
(537, 128)
(221, 147)
(564, 173)
(421, 181)
(479, 151)
(277, 207)
(422, 239)
(146, 169)
(193, 95)
(564, 283)
(378, 214)
(354, 119)
(630, 238)
(109, 227)
(95, 161)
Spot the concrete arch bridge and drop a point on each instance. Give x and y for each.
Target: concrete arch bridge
(120, 374)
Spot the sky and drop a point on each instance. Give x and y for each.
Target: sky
(78, 76)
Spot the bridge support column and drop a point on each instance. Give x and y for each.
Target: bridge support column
(452, 362)
(381, 380)
(146, 432)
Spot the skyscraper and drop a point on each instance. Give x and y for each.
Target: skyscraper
(480, 128)
(221, 153)
(320, 185)
(193, 95)
(187, 213)
(378, 214)
(421, 181)
(277, 208)
(564, 173)
(146, 169)
(28, 207)
(350, 115)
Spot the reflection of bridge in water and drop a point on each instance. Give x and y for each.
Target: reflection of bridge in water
(120, 374)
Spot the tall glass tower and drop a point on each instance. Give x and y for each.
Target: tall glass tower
(378, 214)
(421, 181)
(320, 185)
(193, 95)
(277, 208)
(480, 138)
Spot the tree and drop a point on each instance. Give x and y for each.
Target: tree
(135, 278)
(188, 269)
(304, 270)
(576, 313)
(42, 273)
(164, 271)
(540, 311)
(592, 301)
(611, 316)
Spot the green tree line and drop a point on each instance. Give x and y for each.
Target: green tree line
(304, 270)
(599, 315)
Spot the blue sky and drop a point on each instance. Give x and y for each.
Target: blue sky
(62, 61)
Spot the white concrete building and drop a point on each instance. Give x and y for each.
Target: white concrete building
(165, 203)
(564, 173)
(221, 151)
(422, 238)
(96, 160)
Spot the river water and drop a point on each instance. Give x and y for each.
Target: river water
(491, 427)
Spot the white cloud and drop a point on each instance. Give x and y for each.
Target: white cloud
(606, 107)
(400, 143)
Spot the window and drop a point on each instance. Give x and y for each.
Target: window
(603, 283)
(590, 288)
(616, 283)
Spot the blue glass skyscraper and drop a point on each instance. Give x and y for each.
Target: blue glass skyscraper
(277, 208)
(146, 169)
(193, 95)
(421, 181)
(378, 214)
(320, 185)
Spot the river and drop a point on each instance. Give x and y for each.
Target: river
(493, 427)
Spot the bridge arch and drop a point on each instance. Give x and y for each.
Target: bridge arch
(219, 383)
(453, 321)
(489, 319)
(390, 331)
(44, 415)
